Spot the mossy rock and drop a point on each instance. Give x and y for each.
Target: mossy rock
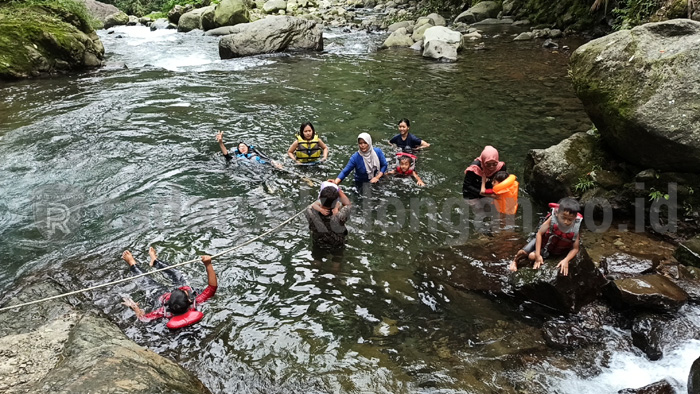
(39, 40)
(688, 253)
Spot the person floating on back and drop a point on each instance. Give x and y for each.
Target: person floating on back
(406, 141)
(406, 166)
(504, 190)
(308, 147)
(179, 305)
(327, 217)
(559, 235)
(243, 151)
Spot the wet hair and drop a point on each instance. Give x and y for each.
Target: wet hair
(500, 176)
(405, 158)
(569, 205)
(328, 196)
(405, 120)
(242, 143)
(178, 303)
(303, 126)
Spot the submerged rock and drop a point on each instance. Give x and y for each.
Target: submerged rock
(639, 87)
(654, 333)
(664, 386)
(587, 327)
(272, 34)
(651, 292)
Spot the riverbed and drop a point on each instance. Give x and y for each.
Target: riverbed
(126, 158)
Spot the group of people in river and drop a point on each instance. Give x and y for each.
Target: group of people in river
(486, 181)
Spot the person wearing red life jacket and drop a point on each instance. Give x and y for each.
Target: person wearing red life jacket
(406, 167)
(559, 235)
(179, 305)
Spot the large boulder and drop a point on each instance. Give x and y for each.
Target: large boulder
(547, 286)
(653, 333)
(440, 50)
(116, 19)
(623, 265)
(193, 20)
(46, 40)
(444, 34)
(52, 347)
(98, 10)
(273, 6)
(639, 87)
(272, 34)
(663, 386)
(398, 39)
(651, 292)
(688, 252)
(231, 13)
(481, 11)
(589, 326)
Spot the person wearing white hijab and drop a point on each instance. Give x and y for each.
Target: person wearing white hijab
(368, 162)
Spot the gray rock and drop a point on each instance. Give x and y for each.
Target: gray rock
(555, 33)
(481, 11)
(437, 19)
(653, 334)
(663, 386)
(423, 21)
(160, 23)
(231, 13)
(650, 292)
(116, 19)
(98, 10)
(272, 34)
(133, 21)
(508, 6)
(444, 34)
(193, 20)
(493, 21)
(548, 43)
(694, 377)
(688, 252)
(395, 26)
(589, 326)
(639, 87)
(418, 46)
(524, 36)
(622, 265)
(522, 22)
(473, 36)
(440, 50)
(398, 39)
(175, 13)
(419, 31)
(272, 6)
(208, 22)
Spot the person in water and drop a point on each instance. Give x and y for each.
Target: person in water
(559, 235)
(406, 141)
(505, 192)
(368, 163)
(243, 151)
(484, 166)
(406, 167)
(180, 304)
(327, 217)
(308, 147)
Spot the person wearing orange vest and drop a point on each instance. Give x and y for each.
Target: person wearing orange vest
(557, 236)
(505, 192)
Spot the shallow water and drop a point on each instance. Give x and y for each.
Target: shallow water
(128, 156)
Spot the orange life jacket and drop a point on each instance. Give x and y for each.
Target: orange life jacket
(507, 195)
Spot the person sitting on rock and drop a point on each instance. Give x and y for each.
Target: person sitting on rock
(243, 151)
(327, 217)
(559, 235)
(308, 147)
(179, 305)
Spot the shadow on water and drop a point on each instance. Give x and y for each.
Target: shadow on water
(129, 155)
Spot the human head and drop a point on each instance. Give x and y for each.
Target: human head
(404, 125)
(329, 194)
(567, 211)
(364, 141)
(179, 302)
(489, 161)
(310, 131)
(243, 148)
(499, 177)
(405, 163)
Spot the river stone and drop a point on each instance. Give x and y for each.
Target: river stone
(493, 21)
(419, 31)
(272, 6)
(423, 21)
(231, 13)
(99, 10)
(193, 20)
(567, 294)
(444, 34)
(589, 326)
(440, 50)
(272, 34)
(524, 36)
(688, 252)
(639, 87)
(116, 19)
(175, 13)
(398, 39)
(622, 265)
(56, 348)
(653, 292)
(663, 386)
(481, 11)
(654, 333)
(208, 18)
(694, 377)
(395, 26)
(437, 19)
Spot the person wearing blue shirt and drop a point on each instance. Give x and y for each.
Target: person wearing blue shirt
(406, 141)
(368, 162)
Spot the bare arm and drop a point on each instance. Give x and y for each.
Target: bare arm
(344, 198)
(292, 149)
(423, 144)
(220, 139)
(564, 264)
(538, 244)
(211, 275)
(325, 149)
(418, 180)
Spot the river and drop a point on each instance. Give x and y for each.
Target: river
(126, 158)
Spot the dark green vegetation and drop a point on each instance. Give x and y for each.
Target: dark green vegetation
(145, 7)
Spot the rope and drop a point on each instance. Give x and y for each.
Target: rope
(155, 271)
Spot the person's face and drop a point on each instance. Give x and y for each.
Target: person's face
(491, 164)
(307, 133)
(495, 182)
(566, 218)
(403, 128)
(364, 146)
(243, 148)
(405, 165)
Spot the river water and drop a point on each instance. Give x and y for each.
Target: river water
(126, 158)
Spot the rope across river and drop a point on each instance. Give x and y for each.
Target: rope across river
(157, 270)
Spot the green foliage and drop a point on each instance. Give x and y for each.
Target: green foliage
(584, 183)
(630, 13)
(655, 195)
(61, 8)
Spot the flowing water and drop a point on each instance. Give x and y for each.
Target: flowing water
(125, 157)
